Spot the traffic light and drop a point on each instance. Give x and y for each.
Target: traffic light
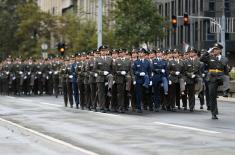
(174, 21)
(61, 48)
(186, 19)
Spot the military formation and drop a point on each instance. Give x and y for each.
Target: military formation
(119, 80)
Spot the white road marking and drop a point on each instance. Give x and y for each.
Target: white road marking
(50, 104)
(50, 138)
(26, 100)
(11, 97)
(187, 127)
(105, 114)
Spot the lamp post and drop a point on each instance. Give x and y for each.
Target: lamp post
(99, 23)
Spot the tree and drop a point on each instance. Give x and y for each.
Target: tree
(34, 28)
(136, 22)
(9, 24)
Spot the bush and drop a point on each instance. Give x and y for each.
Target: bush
(232, 74)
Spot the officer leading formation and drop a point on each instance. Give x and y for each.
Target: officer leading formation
(119, 80)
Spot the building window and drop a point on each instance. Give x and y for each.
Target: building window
(196, 31)
(179, 8)
(186, 6)
(210, 36)
(194, 6)
(211, 5)
(160, 9)
(172, 8)
(227, 36)
(201, 5)
(226, 5)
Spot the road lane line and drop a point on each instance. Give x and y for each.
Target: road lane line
(187, 127)
(50, 138)
(50, 104)
(26, 100)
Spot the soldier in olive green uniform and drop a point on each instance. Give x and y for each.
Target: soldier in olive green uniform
(103, 66)
(192, 72)
(121, 70)
(92, 78)
(217, 67)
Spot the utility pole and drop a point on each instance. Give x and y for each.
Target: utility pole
(99, 23)
(223, 42)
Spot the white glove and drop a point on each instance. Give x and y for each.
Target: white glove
(96, 75)
(70, 76)
(50, 72)
(106, 72)
(47, 77)
(203, 75)
(152, 74)
(14, 78)
(211, 49)
(177, 73)
(134, 82)
(21, 72)
(123, 72)
(39, 72)
(170, 82)
(106, 83)
(7, 73)
(29, 73)
(163, 70)
(25, 77)
(193, 76)
(114, 82)
(142, 74)
(55, 72)
(151, 83)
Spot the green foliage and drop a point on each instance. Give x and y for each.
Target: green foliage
(9, 23)
(136, 22)
(232, 74)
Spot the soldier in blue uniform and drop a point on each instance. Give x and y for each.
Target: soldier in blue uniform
(141, 70)
(74, 79)
(159, 70)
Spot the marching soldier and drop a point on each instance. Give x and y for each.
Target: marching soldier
(217, 68)
(81, 78)
(55, 67)
(176, 70)
(103, 66)
(92, 78)
(134, 56)
(159, 78)
(114, 102)
(141, 71)
(87, 70)
(121, 70)
(73, 78)
(192, 73)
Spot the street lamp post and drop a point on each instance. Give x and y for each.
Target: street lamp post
(99, 23)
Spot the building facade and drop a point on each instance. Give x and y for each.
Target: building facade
(199, 33)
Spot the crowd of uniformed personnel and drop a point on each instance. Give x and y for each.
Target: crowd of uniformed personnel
(119, 80)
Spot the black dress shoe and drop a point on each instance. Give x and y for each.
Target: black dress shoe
(201, 107)
(185, 108)
(191, 110)
(156, 110)
(208, 108)
(139, 111)
(214, 117)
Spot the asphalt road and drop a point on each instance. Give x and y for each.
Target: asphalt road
(42, 125)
